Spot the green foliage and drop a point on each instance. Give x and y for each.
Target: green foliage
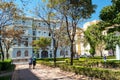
(6, 65)
(111, 41)
(94, 36)
(92, 51)
(72, 13)
(112, 30)
(108, 13)
(51, 59)
(42, 43)
(111, 14)
(90, 72)
(67, 60)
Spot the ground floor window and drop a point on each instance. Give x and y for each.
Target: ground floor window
(44, 54)
(18, 53)
(26, 53)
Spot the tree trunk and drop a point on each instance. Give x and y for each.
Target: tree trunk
(2, 53)
(7, 55)
(101, 53)
(72, 54)
(54, 51)
(55, 56)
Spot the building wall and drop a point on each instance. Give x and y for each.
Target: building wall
(33, 30)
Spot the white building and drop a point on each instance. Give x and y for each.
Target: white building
(33, 30)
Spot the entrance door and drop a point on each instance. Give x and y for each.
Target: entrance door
(44, 54)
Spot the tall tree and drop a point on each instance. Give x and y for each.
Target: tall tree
(53, 23)
(94, 36)
(111, 15)
(9, 36)
(63, 39)
(111, 41)
(7, 12)
(73, 13)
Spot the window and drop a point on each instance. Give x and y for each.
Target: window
(23, 22)
(18, 53)
(39, 24)
(26, 53)
(44, 24)
(66, 52)
(34, 33)
(34, 38)
(26, 43)
(49, 34)
(61, 53)
(26, 38)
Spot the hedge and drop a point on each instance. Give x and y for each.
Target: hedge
(5, 65)
(100, 73)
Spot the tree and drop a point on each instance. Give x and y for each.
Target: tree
(42, 43)
(7, 12)
(63, 39)
(111, 41)
(111, 15)
(9, 36)
(73, 13)
(53, 21)
(94, 36)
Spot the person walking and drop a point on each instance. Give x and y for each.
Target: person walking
(30, 62)
(34, 62)
(104, 57)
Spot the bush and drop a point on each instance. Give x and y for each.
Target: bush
(5, 65)
(100, 73)
(67, 60)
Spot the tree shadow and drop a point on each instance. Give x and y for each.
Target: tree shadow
(24, 74)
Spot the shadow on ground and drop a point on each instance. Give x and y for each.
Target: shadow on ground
(24, 74)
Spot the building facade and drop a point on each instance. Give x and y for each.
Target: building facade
(34, 29)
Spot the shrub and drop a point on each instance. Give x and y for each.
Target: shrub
(5, 65)
(67, 60)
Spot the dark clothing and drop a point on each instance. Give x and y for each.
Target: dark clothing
(105, 58)
(34, 61)
(30, 61)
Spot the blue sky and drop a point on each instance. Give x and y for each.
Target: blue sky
(95, 16)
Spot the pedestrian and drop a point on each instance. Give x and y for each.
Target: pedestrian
(30, 62)
(104, 57)
(34, 62)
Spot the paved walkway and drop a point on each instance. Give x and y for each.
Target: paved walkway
(41, 72)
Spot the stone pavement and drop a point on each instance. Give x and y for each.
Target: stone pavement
(41, 72)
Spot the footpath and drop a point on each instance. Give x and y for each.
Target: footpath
(41, 72)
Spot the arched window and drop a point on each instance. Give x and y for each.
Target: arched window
(18, 53)
(61, 53)
(26, 53)
(66, 52)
